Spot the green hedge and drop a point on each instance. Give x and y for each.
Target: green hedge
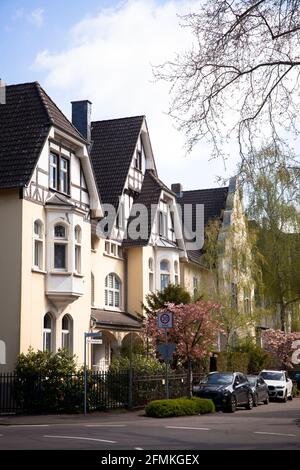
(179, 407)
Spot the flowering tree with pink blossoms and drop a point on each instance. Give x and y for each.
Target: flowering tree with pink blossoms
(194, 331)
(283, 346)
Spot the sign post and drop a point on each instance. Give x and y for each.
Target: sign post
(91, 338)
(165, 321)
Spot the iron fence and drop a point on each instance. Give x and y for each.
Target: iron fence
(57, 393)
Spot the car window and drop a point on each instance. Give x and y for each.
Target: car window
(242, 379)
(252, 380)
(270, 375)
(217, 379)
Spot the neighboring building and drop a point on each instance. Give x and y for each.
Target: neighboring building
(87, 228)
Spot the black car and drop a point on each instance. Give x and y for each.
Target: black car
(259, 389)
(227, 390)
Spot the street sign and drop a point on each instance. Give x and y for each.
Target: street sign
(93, 335)
(94, 341)
(165, 320)
(166, 351)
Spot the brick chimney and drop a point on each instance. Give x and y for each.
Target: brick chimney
(81, 117)
(177, 189)
(2, 92)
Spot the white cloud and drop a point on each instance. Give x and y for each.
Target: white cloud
(108, 60)
(34, 17)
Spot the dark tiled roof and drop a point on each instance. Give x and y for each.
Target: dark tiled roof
(113, 144)
(150, 194)
(25, 121)
(111, 319)
(214, 201)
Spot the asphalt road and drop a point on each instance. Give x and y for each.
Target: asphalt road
(272, 426)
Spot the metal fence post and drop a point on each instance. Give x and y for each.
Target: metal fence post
(130, 388)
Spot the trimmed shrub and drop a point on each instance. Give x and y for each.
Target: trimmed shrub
(140, 364)
(179, 407)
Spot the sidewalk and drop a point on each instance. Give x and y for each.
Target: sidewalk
(96, 417)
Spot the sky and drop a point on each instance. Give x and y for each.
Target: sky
(104, 51)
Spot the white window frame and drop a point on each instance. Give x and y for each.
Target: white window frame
(38, 245)
(61, 241)
(48, 331)
(111, 292)
(164, 274)
(176, 273)
(150, 275)
(77, 250)
(67, 333)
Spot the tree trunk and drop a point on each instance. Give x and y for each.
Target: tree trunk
(190, 378)
(282, 317)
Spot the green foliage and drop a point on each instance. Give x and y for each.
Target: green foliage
(258, 358)
(45, 363)
(274, 196)
(172, 293)
(179, 407)
(132, 345)
(233, 361)
(140, 364)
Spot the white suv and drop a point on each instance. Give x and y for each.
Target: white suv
(279, 384)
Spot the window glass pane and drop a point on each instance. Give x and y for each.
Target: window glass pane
(110, 281)
(117, 299)
(106, 297)
(47, 341)
(47, 321)
(176, 267)
(164, 266)
(60, 231)
(64, 175)
(77, 258)
(110, 298)
(59, 256)
(53, 171)
(151, 281)
(106, 248)
(150, 264)
(176, 279)
(38, 253)
(38, 229)
(164, 281)
(117, 283)
(78, 234)
(65, 340)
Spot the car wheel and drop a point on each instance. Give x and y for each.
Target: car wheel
(250, 402)
(233, 404)
(267, 400)
(255, 400)
(285, 398)
(291, 396)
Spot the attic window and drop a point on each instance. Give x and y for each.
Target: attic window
(59, 170)
(138, 160)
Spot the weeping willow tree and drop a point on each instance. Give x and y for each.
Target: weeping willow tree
(272, 182)
(229, 255)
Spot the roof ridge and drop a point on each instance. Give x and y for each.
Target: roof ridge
(42, 94)
(206, 189)
(119, 119)
(159, 181)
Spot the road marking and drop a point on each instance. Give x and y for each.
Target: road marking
(183, 427)
(275, 434)
(28, 426)
(138, 448)
(80, 438)
(105, 425)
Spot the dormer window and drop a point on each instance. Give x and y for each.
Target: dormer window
(59, 173)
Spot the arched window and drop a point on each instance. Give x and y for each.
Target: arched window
(164, 274)
(47, 333)
(112, 291)
(151, 275)
(176, 273)
(67, 333)
(38, 244)
(77, 234)
(60, 247)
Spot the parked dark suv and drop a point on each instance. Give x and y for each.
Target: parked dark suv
(228, 390)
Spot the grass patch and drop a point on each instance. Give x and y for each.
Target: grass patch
(179, 407)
